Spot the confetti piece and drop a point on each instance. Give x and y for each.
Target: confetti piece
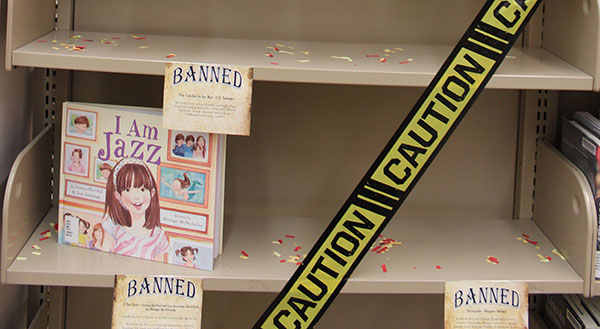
(372, 55)
(36, 253)
(36, 247)
(287, 52)
(306, 52)
(407, 61)
(42, 41)
(87, 40)
(53, 41)
(276, 242)
(290, 236)
(535, 243)
(282, 261)
(387, 51)
(543, 258)
(382, 60)
(45, 232)
(143, 47)
(171, 55)
(492, 260)
(274, 63)
(275, 48)
(243, 257)
(297, 248)
(511, 57)
(140, 38)
(401, 49)
(276, 254)
(116, 38)
(342, 57)
(44, 238)
(269, 55)
(55, 48)
(75, 36)
(556, 252)
(280, 45)
(384, 268)
(526, 236)
(244, 253)
(304, 60)
(438, 267)
(21, 258)
(107, 42)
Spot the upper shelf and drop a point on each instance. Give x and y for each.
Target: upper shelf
(291, 61)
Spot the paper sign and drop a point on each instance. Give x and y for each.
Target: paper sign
(157, 302)
(486, 304)
(207, 98)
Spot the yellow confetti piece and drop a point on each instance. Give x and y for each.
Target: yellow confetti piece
(388, 51)
(75, 36)
(556, 252)
(306, 52)
(37, 253)
(287, 52)
(342, 57)
(280, 45)
(143, 47)
(398, 48)
(304, 60)
(538, 247)
(511, 57)
(276, 254)
(243, 257)
(51, 224)
(55, 48)
(36, 247)
(276, 242)
(21, 258)
(54, 41)
(49, 234)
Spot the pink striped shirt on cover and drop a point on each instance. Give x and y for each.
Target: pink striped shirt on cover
(129, 245)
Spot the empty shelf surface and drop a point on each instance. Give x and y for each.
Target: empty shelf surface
(291, 61)
(432, 252)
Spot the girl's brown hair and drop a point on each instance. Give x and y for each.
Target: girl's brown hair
(189, 138)
(185, 182)
(135, 175)
(78, 150)
(82, 120)
(97, 227)
(203, 149)
(185, 250)
(105, 166)
(85, 223)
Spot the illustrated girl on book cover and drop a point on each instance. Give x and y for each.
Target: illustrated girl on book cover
(188, 255)
(133, 212)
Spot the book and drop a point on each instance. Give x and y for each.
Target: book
(130, 187)
(581, 147)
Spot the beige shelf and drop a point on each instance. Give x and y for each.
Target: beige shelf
(524, 68)
(458, 247)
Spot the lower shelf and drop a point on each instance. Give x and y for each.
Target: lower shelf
(432, 252)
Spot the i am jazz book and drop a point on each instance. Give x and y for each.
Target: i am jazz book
(130, 187)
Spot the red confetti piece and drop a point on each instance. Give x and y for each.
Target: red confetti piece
(535, 243)
(42, 41)
(381, 235)
(56, 227)
(274, 63)
(276, 49)
(115, 38)
(548, 258)
(383, 60)
(140, 38)
(244, 253)
(80, 47)
(270, 55)
(297, 248)
(290, 236)
(44, 238)
(108, 43)
(525, 235)
(46, 231)
(404, 62)
(170, 56)
(384, 268)
(280, 241)
(87, 40)
(438, 267)
(382, 250)
(372, 55)
(282, 261)
(375, 249)
(493, 260)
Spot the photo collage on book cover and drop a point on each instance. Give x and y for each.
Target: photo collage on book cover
(122, 164)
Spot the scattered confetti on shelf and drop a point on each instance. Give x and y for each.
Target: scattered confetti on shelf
(277, 242)
(438, 267)
(36, 247)
(37, 253)
(276, 254)
(297, 248)
(384, 245)
(244, 255)
(382, 60)
(492, 260)
(269, 55)
(290, 236)
(44, 238)
(21, 258)
(384, 268)
(369, 56)
(303, 60)
(526, 239)
(274, 63)
(170, 55)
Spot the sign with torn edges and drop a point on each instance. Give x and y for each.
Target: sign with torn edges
(209, 98)
(157, 302)
(486, 304)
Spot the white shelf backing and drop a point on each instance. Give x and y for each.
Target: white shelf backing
(432, 252)
(525, 68)
(564, 210)
(27, 196)
(571, 33)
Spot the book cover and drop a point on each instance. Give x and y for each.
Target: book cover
(581, 147)
(129, 187)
